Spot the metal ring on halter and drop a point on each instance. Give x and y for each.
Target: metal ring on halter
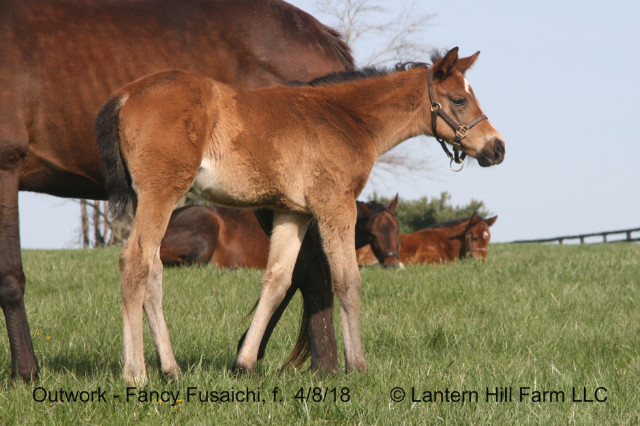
(451, 165)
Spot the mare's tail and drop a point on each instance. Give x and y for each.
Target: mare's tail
(114, 169)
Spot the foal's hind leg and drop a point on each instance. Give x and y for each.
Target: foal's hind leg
(338, 234)
(286, 239)
(141, 273)
(157, 325)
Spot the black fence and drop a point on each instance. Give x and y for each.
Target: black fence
(624, 235)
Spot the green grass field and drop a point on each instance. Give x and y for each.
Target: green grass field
(554, 327)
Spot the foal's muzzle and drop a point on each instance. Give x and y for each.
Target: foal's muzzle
(492, 153)
(391, 260)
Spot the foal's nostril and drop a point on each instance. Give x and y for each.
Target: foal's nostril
(498, 149)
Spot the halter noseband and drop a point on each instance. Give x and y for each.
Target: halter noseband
(460, 130)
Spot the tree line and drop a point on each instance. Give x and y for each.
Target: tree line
(100, 229)
(424, 212)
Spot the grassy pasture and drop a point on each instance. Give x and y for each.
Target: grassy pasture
(553, 327)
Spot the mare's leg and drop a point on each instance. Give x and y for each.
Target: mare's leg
(12, 280)
(337, 228)
(315, 284)
(286, 239)
(141, 272)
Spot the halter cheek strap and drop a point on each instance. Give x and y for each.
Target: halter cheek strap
(460, 130)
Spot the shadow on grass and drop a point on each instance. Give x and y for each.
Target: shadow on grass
(91, 366)
(82, 364)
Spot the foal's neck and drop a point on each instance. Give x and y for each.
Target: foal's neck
(390, 108)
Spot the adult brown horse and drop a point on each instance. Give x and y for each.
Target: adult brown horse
(233, 238)
(304, 151)
(444, 242)
(62, 58)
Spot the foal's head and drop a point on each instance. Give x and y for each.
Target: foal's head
(378, 227)
(455, 111)
(476, 237)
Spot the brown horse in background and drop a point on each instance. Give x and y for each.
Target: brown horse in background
(62, 58)
(233, 238)
(441, 243)
(228, 238)
(303, 151)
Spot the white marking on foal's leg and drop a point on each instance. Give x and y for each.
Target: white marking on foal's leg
(142, 285)
(286, 239)
(133, 283)
(157, 325)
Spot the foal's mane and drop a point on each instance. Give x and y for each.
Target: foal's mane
(369, 72)
(454, 222)
(363, 74)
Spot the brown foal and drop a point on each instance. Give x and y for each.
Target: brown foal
(303, 151)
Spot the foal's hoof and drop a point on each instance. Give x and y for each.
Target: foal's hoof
(359, 366)
(139, 381)
(172, 374)
(133, 378)
(239, 369)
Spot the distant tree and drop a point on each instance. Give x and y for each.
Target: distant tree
(107, 230)
(397, 36)
(414, 215)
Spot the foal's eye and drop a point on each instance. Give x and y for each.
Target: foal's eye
(458, 101)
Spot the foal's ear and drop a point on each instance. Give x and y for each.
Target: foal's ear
(463, 64)
(491, 220)
(393, 204)
(474, 218)
(364, 208)
(442, 68)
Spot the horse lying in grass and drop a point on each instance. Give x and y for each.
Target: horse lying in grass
(441, 243)
(233, 238)
(228, 238)
(305, 152)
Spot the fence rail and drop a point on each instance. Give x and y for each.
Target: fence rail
(628, 237)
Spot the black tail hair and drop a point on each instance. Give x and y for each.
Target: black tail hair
(115, 172)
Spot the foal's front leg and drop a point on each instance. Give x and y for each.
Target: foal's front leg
(338, 234)
(286, 239)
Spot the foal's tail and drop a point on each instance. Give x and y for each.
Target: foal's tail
(302, 350)
(114, 169)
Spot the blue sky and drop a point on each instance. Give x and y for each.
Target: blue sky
(558, 79)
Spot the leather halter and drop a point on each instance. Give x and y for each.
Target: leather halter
(391, 254)
(460, 130)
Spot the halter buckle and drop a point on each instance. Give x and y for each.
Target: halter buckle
(461, 132)
(435, 107)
